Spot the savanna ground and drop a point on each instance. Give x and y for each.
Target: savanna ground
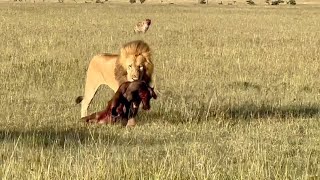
(238, 91)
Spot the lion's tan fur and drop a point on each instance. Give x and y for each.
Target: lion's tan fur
(134, 61)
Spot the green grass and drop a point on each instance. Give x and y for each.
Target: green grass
(238, 90)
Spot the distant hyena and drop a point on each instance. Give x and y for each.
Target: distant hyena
(142, 26)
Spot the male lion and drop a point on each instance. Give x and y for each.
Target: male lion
(133, 63)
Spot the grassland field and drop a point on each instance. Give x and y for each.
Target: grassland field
(238, 92)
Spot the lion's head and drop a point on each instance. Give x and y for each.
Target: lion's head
(134, 62)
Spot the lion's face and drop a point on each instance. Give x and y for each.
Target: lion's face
(134, 63)
(135, 67)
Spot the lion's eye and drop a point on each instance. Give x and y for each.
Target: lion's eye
(130, 66)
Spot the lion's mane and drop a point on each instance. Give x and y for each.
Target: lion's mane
(135, 48)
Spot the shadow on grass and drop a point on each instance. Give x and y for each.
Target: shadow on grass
(252, 111)
(74, 137)
(239, 112)
(78, 136)
(48, 136)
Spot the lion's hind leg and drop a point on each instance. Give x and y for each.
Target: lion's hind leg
(93, 81)
(88, 96)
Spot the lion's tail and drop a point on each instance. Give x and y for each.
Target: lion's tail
(79, 99)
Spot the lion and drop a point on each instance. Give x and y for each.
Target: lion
(142, 26)
(133, 63)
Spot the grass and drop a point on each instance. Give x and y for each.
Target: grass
(238, 92)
